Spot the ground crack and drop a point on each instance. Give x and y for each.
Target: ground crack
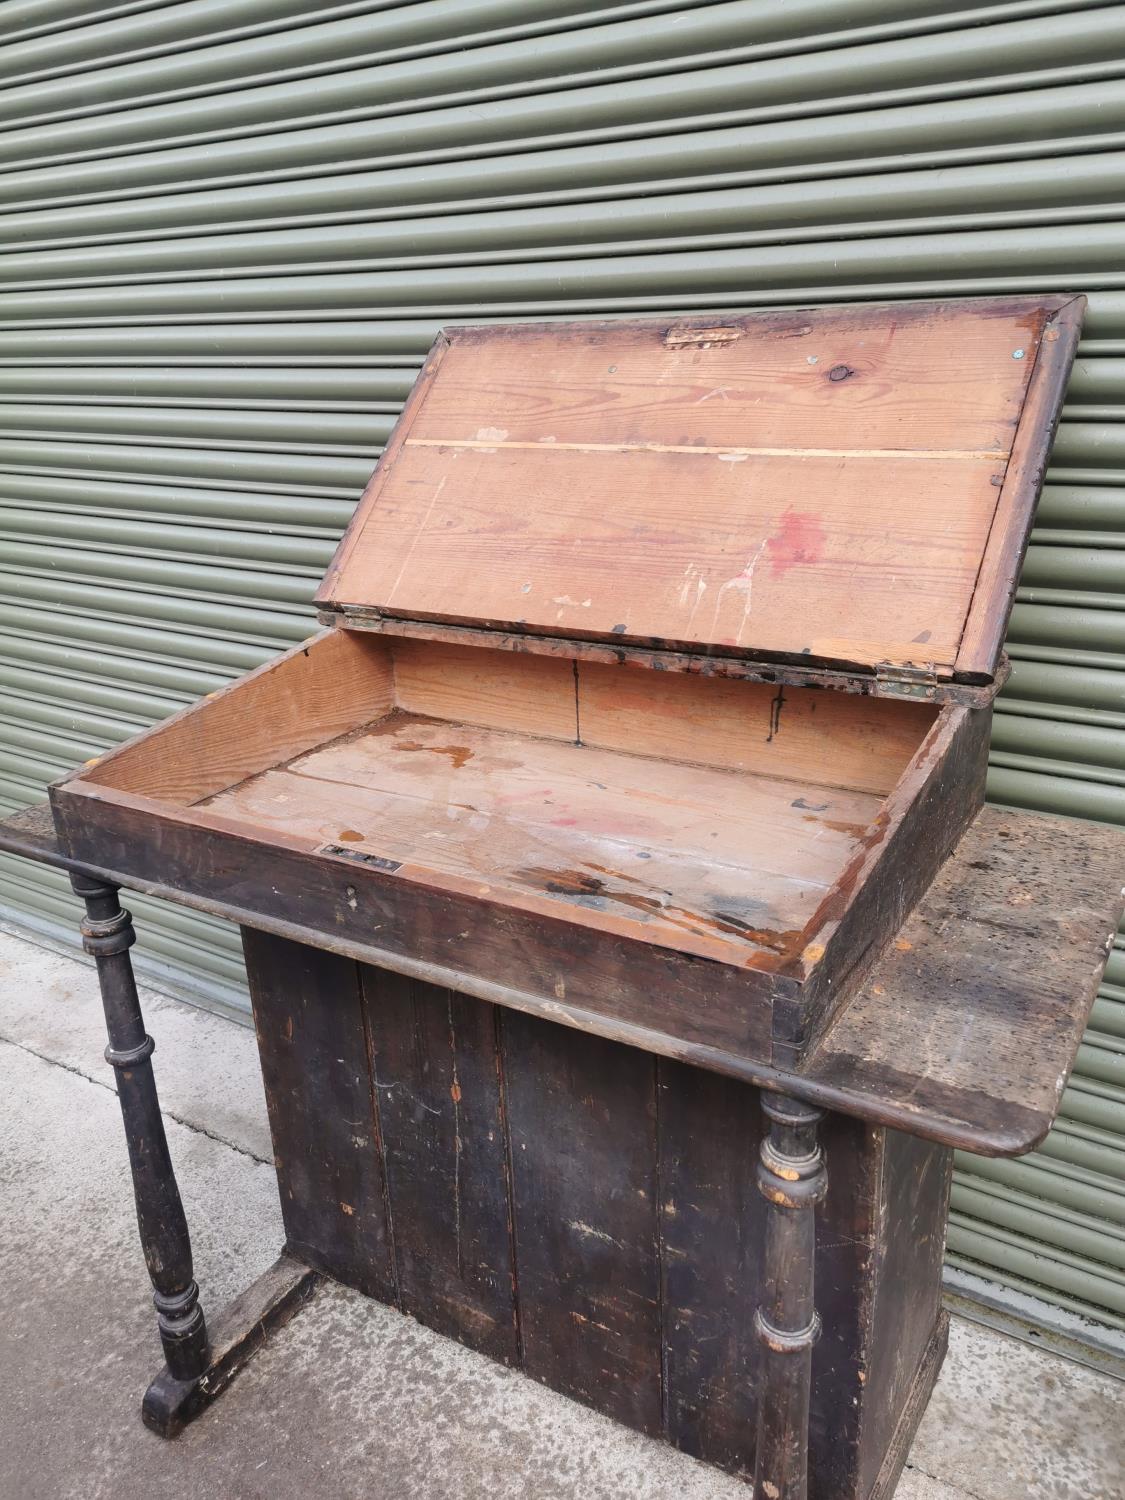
(168, 1114)
(949, 1484)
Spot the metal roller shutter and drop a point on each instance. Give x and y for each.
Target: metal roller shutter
(233, 227)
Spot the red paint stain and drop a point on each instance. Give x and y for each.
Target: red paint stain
(800, 539)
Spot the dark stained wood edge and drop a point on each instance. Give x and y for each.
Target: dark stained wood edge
(781, 317)
(30, 833)
(890, 1471)
(966, 1118)
(369, 498)
(716, 662)
(937, 797)
(987, 621)
(239, 1331)
(617, 971)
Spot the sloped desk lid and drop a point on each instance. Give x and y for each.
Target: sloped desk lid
(848, 487)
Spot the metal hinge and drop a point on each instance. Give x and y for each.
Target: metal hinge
(911, 681)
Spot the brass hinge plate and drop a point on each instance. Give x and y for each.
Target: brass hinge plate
(911, 681)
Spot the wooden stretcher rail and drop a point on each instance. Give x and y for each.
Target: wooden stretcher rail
(964, 1033)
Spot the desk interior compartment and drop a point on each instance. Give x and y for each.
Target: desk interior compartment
(710, 818)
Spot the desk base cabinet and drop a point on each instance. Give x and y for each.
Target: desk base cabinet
(588, 1212)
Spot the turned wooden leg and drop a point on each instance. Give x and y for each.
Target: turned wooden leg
(107, 933)
(792, 1179)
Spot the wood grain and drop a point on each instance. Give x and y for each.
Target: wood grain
(1053, 354)
(330, 685)
(833, 739)
(806, 556)
(702, 859)
(434, 1073)
(920, 378)
(329, 1163)
(496, 689)
(585, 1217)
(820, 484)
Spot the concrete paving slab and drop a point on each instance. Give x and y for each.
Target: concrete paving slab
(351, 1399)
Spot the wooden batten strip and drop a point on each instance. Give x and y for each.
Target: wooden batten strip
(489, 445)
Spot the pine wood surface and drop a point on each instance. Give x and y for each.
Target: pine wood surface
(829, 485)
(690, 852)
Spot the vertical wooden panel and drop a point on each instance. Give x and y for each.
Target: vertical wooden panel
(582, 1116)
(434, 1062)
(847, 1231)
(906, 1309)
(711, 1233)
(712, 1221)
(326, 1142)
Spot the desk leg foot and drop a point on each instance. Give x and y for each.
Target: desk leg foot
(792, 1179)
(239, 1331)
(107, 934)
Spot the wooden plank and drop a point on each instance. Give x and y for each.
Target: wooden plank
(833, 739)
(904, 1311)
(582, 1118)
(694, 854)
(434, 1062)
(800, 555)
(987, 622)
(495, 689)
(534, 960)
(414, 401)
(312, 1044)
(923, 820)
(539, 482)
(711, 1227)
(324, 688)
(915, 376)
(848, 1234)
(977, 1010)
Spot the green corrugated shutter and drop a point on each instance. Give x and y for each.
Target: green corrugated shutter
(233, 227)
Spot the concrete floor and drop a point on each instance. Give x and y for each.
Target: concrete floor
(351, 1400)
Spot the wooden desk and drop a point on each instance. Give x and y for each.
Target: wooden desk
(424, 1133)
(624, 827)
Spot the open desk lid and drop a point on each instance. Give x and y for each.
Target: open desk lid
(848, 487)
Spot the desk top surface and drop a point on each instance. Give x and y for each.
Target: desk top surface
(967, 1028)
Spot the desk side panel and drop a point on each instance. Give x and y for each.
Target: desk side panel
(309, 1022)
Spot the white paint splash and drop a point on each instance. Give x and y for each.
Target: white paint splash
(742, 583)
